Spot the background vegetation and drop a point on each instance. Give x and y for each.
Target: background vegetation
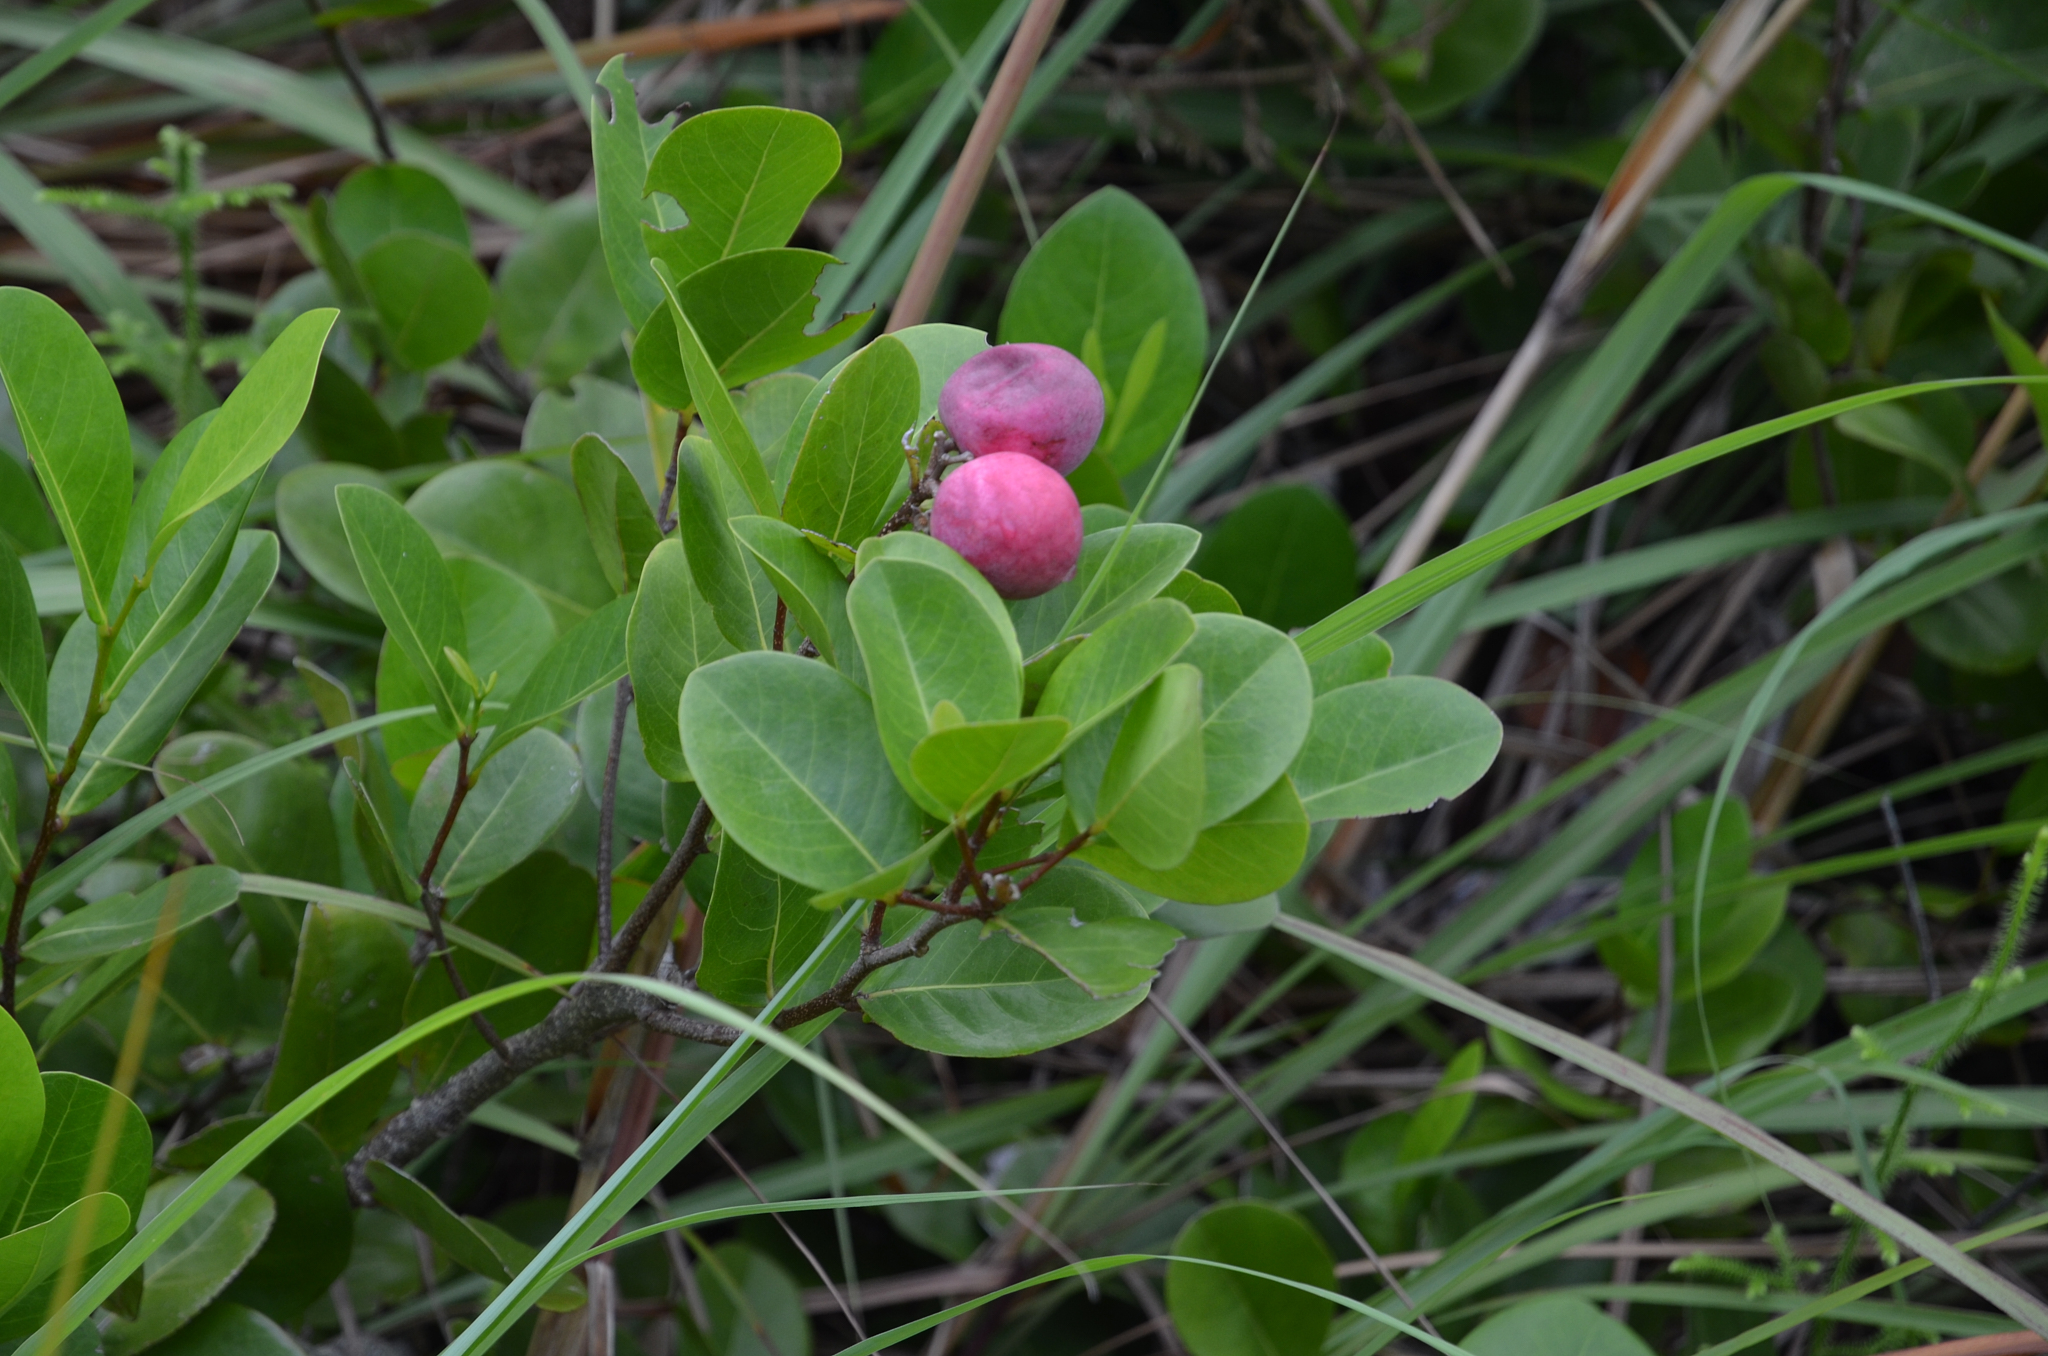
(1821, 650)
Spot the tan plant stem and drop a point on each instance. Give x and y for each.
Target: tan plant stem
(970, 171)
(1742, 33)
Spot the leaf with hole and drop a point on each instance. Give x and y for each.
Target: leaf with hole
(743, 177)
(620, 144)
(787, 753)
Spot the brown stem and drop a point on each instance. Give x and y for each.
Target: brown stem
(781, 621)
(10, 951)
(971, 169)
(431, 902)
(664, 513)
(359, 84)
(608, 808)
(685, 856)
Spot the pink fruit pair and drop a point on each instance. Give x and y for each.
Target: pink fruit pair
(1028, 415)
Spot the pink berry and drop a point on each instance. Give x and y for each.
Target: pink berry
(1014, 518)
(1030, 398)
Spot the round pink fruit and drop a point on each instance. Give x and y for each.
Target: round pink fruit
(1030, 398)
(1014, 518)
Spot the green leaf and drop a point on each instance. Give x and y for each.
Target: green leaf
(642, 436)
(431, 299)
(520, 519)
(928, 636)
(1436, 1123)
(622, 528)
(1256, 697)
(907, 64)
(1356, 661)
(196, 1262)
(769, 408)
(753, 1305)
(2019, 357)
(25, 526)
(1553, 1325)
(1285, 555)
(1806, 303)
(89, 1136)
(76, 435)
(251, 426)
(1227, 1313)
(411, 1201)
(301, 1260)
(10, 845)
(739, 592)
(1152, 790)
(1777, 991)
(982, 995)
(619, 147)
(21, 1099)
(669, 636)
(757, 931)
(714, 405)
(1481, 47)
(181, 581)
(1896, 429)
(133, 729)
(852, 454)
(1995, 627)
(786, 752)
(1250, 854)
(31, 1256)
(508, 631)
(225, 1328)
(1108, 957)
(812, 586)
(1201, 595)
(1734, 923)
(519, 799)
(404, 575)
(743, 177)
(961, 766)
(1098, 283)
(1148, 562)
(123, 920)
(24, 667)
(553, 939)
(1393, 746)
(347, 995)
(556, 309)
(1115, 663)
(752, 311)
(310, 521)
(586, 657)
(377, 201)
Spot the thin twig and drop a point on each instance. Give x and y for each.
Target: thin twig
(359, 85)
(693, 845)
(1913, 905)
(432, 903)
